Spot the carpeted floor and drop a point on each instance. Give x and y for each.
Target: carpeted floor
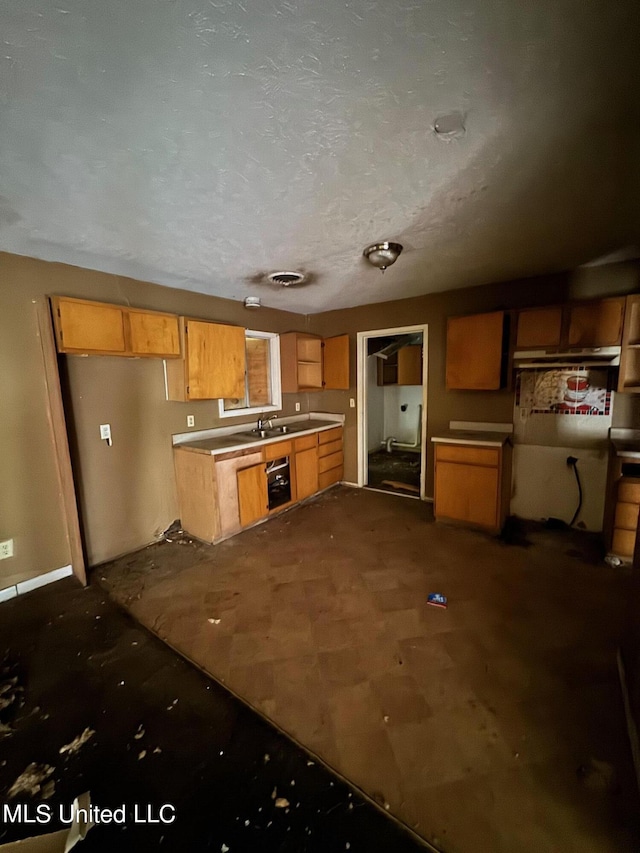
(496, 724)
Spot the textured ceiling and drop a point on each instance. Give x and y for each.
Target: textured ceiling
(203, 143)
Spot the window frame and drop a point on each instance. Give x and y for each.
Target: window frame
(276, 379)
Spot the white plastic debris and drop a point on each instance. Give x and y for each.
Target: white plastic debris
(140, 733)
(77, 742)
(142, 754)
(31, 781)
(213, 621)
(282, 803)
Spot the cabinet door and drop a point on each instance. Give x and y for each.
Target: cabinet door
(596, 324)
(306, 473)
(335, 375)
(629, 376)
(410, 365)
(216, 361)
(539, 327)
(253, 501)
(153, 334)
(88, 327)
(467, 493)
(474, 352)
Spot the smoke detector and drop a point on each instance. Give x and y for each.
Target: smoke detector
(286, 278)
(252, 302)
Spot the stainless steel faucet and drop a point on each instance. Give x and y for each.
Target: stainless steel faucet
(265, 423)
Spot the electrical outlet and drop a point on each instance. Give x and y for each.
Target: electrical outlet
(191, 420)
(105, 433)
(297, 407)
(6, 549)
(352, 402)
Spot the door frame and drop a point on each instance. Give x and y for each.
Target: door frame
(361, 344)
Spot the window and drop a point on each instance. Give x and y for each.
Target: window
(262, 389)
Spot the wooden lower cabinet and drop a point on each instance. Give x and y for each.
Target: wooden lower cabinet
(472, 485)
(330, 457)
(220, 495)
(253, 501)
(306, 473)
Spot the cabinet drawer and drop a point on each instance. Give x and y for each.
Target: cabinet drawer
(328, 435)
(306, 442)
(331, 447)
(328, 478)
(328, 462)
(626, 516)
(629, 490)
(624, 542)
(468, 455)
(275, 451)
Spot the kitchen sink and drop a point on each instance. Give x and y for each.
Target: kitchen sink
(274, 432)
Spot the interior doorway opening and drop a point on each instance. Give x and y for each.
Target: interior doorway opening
(392, 410)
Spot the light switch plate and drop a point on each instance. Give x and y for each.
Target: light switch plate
(105, 432)
(297, 407)
(352, 402)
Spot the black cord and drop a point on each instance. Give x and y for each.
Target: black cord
(574, 465)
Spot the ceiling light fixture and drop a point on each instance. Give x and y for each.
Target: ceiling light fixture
(252, 302)
(382, 255)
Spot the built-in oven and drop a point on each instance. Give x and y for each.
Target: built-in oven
(278, 482)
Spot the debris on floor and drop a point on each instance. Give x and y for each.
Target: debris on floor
(396, 484)
(32, 781)
(77, 742)
(437, 599)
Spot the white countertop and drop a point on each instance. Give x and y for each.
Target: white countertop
(231, 439)
(482, 438)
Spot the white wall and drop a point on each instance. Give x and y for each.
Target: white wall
(402, 425)
(543, 484)
(375, 406)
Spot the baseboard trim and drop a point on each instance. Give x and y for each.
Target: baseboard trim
(632, 728)
(35, 583)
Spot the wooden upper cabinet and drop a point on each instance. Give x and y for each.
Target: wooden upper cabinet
(213, 365)
(88, 327)
(152, 333)
(539, 327)
(475, 352)
(403, 367)
(310, 363)
(597, 323)
(99, 328)
(335, 363)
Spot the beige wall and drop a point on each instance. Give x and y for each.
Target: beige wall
(444, 406)
(127, 491)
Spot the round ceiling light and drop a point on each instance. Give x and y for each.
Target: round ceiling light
(382, 255)
(286, 278)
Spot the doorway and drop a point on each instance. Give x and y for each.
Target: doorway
(392, 410)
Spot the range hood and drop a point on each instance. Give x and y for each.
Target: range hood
(587, 357)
